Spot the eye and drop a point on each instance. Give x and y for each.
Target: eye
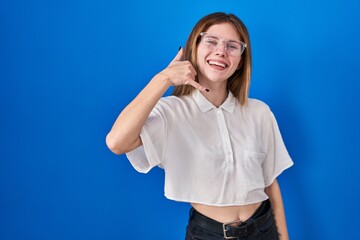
(233, 46)
(211, 41)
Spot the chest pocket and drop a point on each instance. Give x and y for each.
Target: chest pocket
(253, 170)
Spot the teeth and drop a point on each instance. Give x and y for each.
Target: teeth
(217, 64)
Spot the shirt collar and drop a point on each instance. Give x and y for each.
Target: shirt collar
(205, 105)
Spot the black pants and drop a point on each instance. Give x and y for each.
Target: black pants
(260, 226)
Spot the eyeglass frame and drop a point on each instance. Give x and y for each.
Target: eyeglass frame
(224, 41)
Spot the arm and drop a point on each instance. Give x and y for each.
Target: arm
(273, 191)
(124, 136)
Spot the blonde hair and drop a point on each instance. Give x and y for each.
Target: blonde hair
(239, 82)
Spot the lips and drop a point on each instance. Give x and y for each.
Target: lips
(217, 64)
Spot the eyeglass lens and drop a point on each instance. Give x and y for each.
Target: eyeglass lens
(214, 42)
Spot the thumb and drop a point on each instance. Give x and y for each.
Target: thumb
(178, 56)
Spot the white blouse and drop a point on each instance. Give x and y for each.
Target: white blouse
(215, 156)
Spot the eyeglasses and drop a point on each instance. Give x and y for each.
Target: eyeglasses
(213, 42)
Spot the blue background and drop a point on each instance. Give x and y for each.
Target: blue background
(67, 68)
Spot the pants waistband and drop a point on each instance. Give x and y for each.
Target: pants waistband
(247, 228)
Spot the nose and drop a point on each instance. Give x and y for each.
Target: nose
(221, 49)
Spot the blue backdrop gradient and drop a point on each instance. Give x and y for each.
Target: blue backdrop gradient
(67, 68)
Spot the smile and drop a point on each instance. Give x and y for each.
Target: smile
(217, 64)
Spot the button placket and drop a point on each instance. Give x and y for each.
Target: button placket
(225, 137)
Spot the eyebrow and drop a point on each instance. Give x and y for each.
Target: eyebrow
(235, 41)
(228, 40)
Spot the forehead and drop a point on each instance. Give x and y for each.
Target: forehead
(225, 30)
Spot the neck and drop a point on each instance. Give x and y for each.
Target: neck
(217, 94)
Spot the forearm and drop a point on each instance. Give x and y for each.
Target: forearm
(274, 193)
(124, 134)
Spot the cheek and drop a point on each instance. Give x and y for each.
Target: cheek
(200, 55)
(237, 63)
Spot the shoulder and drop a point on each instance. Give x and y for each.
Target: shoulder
(256, 111)
(173, 100)
(257, 106)
(174, 104)
(170, 99)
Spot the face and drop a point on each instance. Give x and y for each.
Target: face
(218, 64)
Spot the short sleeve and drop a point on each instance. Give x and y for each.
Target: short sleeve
(153, 137)
(277, 157)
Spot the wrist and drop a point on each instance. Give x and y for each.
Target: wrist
(163, 79)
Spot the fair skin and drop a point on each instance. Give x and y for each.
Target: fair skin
(211, 75)
(125, 133)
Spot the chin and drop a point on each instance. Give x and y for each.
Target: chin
(214, 78)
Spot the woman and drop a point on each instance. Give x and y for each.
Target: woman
(220, 150)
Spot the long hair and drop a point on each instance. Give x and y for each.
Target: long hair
(239, 82)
